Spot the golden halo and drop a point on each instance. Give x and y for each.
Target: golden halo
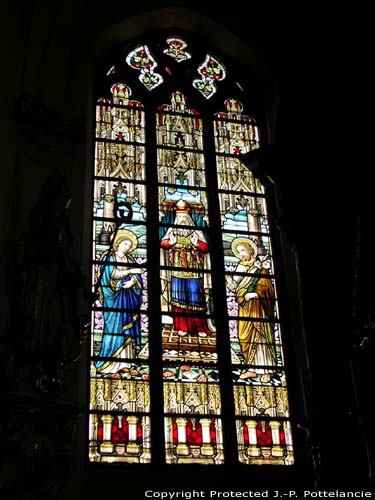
(243, 241)
(125, 234)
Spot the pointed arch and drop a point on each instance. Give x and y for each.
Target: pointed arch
(186, 290)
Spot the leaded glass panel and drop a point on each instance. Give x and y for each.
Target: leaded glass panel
(188, 330)
(182, 143)
(142, 60)
(176, 49)
(254, 328)
(119, 438)
(120, 374)
(211, 71)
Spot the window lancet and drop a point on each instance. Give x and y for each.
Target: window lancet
(122, 372)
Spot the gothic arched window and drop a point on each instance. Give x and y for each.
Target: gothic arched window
(187, 362)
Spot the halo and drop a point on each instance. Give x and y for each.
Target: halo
(125, 234)
(241, 241)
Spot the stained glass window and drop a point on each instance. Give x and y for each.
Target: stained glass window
(164, 343)
(211, 71)
(142, 60)
(176, 49)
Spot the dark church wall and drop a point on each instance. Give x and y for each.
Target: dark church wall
(49, 52)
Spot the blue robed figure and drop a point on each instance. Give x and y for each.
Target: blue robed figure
(121, 296)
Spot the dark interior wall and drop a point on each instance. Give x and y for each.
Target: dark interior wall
(49, 52)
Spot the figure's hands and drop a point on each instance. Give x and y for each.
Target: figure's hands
(129, 283)
(194, 238)
(172, 238)
(231, 282)
(250, 296)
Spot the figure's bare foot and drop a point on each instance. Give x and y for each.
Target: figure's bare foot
(181, 333)
(248, 374)
(202, 334)
(265, 378)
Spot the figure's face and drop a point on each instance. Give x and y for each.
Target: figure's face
(124, 246)
(245, 252)
(182, 219)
